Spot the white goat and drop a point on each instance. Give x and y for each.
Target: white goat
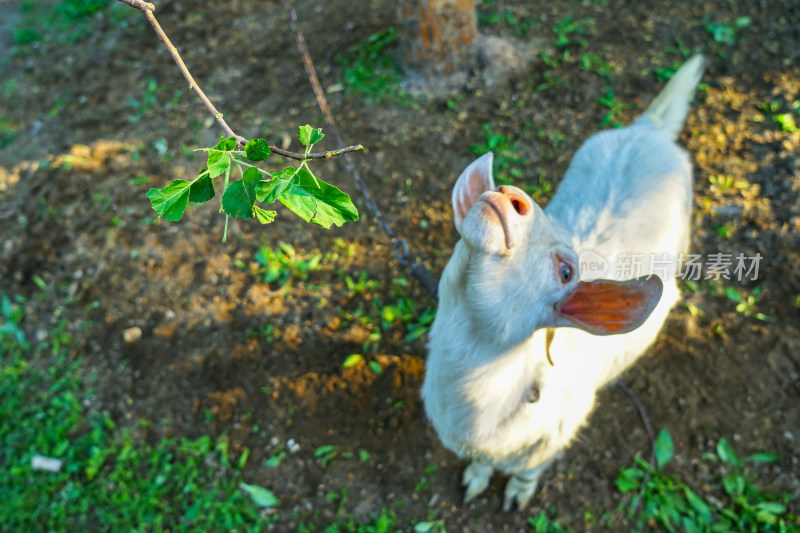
(490, 391)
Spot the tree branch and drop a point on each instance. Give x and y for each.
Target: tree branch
(148, 9)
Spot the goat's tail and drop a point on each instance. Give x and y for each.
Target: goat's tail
(668, 110)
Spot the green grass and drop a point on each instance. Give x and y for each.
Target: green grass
(110, 479)
(570, 32)
(278, 266)
(731, 502)
(64, 22)
(7, 132)
(508, 163)
(489, 15)
(787, 115)
(725, 36)
(615, 109)
(369, 69)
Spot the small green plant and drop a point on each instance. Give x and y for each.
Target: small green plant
(542, 523)
(421, 326)
(7, 132)
(147, 100)
(570, 32)
(782, 117)
(489, 16)
(615, 108)
(434, 526)
(11, 314)
(726, 184)
(56, 23)
(663, 74)
(282, 264)
(424, 483)
(724, 231)
(26, 35)
(787, 122)
(746, 304)
(360, 284)
(326, 454)
(594, 63)
(297, 188)
(662, 500)
(80, 9)
(369, 69)
(507, 157)
(726, 34)
(274, 460)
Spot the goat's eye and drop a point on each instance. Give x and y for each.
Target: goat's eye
(565, 270)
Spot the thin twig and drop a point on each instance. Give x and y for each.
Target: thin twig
(316, 155)
(148, 9)
(646, 421)
(335, 48)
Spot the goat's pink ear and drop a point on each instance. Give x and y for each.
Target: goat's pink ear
(473, 181)
(605, 307)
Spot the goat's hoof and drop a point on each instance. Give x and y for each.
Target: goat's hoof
(476, 479)
(519, 490)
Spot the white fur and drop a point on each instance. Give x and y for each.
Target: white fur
(626, 190)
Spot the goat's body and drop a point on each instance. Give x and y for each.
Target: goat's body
(627, 191)
(478, 403)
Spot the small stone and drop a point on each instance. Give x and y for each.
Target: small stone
(292, 446)
(132, 335)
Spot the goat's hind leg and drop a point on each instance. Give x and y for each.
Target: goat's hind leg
(522, 485)
(476, 479)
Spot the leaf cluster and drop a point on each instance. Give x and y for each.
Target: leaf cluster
(297, 188)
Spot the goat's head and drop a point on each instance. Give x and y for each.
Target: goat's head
(520, 272)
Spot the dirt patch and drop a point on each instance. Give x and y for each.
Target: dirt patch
(221, 351)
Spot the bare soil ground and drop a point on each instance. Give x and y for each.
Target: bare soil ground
(222, 352)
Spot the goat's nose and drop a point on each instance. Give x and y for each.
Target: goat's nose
(519, 201)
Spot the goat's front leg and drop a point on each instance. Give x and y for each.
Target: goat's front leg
(522, 485)
(476, 478)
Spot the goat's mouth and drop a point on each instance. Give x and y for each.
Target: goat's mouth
(498, 210)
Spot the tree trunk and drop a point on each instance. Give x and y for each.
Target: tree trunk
(438, 37)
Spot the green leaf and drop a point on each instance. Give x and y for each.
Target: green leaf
(257, 150)
(269, 191)
(240, 196)
(264, 216)
(429, 527)
(764, 457)
(664, 449)
(309, 136)
(316, 135)
(218, 162)
(226, 144)
(325, 449)
(699, 505)
(629, 479)
(261, 496)
(726, 453)
(375, 367)
(202, 188)
(773, 508)
(171, 201)
(315, 201)
(352, 360)
(304, 134)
